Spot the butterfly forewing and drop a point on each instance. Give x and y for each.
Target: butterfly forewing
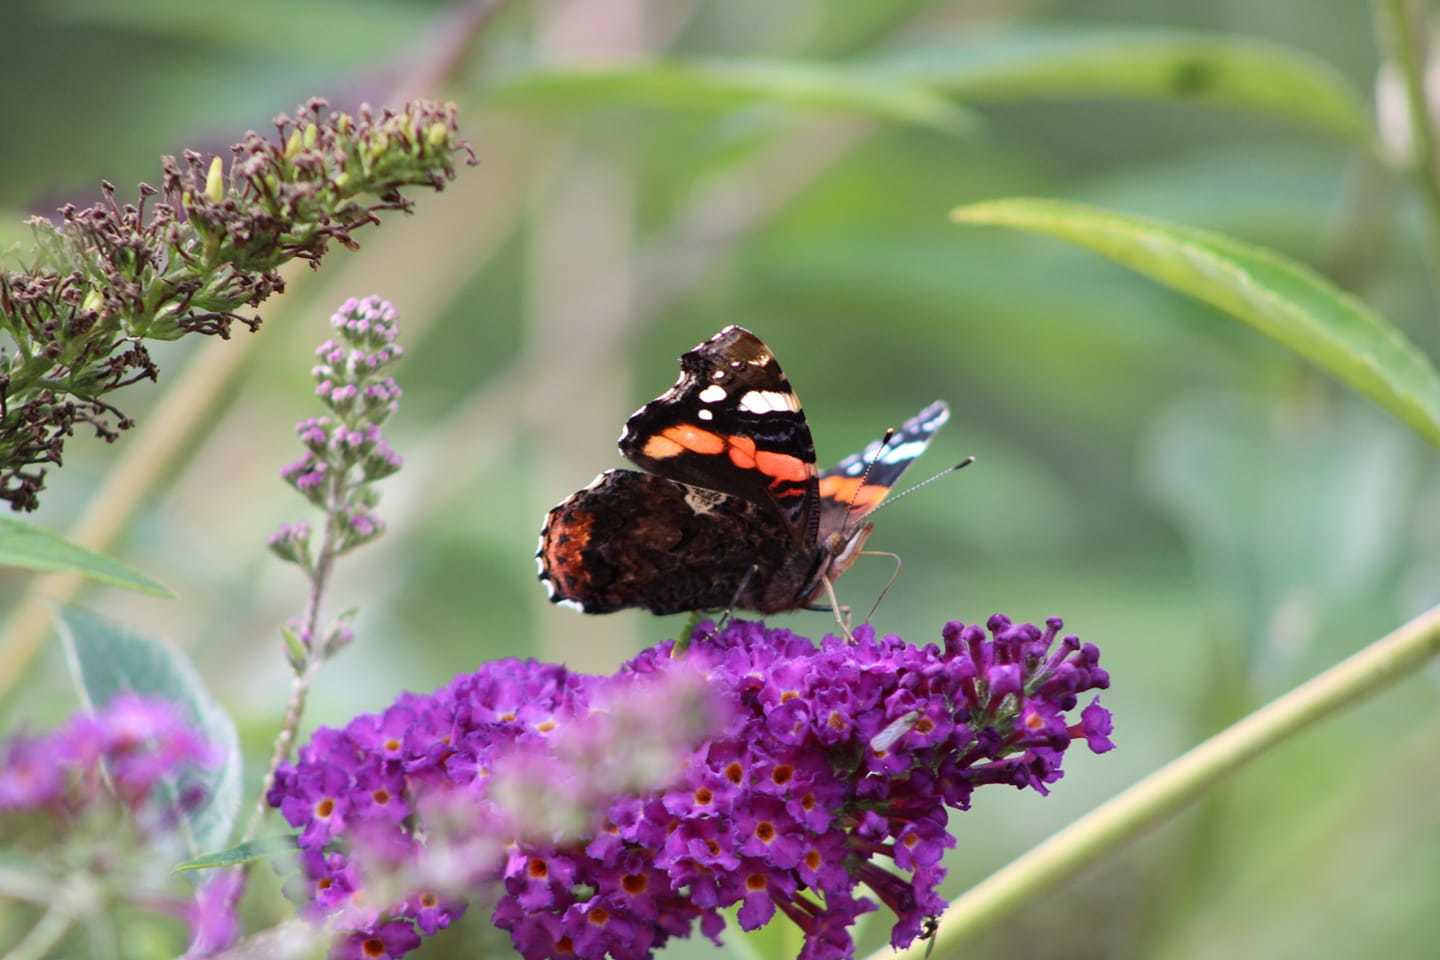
(732, 423)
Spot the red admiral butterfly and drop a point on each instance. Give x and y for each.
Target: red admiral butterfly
(731, 511)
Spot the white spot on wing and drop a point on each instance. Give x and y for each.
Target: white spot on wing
(705, 415)
(549, 587)
(713, 394)
(575, 605)
(599, 479)
(539, 566)
(905, 451)
(718, 374)
(769, 401)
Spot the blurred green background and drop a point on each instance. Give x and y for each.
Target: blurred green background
(1220, 519)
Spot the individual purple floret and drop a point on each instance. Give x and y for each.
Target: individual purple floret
(821, 788)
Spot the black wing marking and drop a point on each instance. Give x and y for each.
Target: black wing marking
(732, 423)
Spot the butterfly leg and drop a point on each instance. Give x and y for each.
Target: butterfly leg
(842, 613)
(735, 600)
(899, 566)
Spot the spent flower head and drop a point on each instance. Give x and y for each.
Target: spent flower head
(821, 785)
(112, 276)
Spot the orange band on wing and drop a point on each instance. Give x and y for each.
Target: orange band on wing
(742, 452)
(850, 490)
(782, 466)
(673, 441)
(661, 447)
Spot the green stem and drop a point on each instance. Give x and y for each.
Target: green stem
(1172, 787)
(1405, 32)
(77, 898)
(310, 634)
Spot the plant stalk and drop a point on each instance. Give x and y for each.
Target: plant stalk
(1177, 784)
(1405, 33)
(295, 709)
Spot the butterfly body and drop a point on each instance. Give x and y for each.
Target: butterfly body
(731, 510)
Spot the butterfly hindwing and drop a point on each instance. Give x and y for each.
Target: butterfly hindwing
(635, 540)
(849, 491)
(732, 423)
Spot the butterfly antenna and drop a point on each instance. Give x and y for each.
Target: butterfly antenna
(884, 442)
(924, 483)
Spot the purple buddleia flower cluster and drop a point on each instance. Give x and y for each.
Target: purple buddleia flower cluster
(345, 452)
(132, 742)
(824, 781)
(518, 749)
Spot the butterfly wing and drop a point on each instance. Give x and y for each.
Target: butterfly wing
(635, 540)
(848, 492)
(731, 423)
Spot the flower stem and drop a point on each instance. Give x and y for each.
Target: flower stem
(75, 899)
(295, 709)
(1404, 30)
(1172, 787)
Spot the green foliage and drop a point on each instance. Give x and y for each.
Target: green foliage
(1277, 296)
(726, 85)
(252, 851)
(36, 548)
(106, 660)
(1218, 70)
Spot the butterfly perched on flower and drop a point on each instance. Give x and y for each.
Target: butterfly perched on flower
(731, 511)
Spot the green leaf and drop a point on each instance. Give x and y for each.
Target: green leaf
(1282, 299)
(252, 850)
(1205, 68)
(724, 85)
(107, 660)
(35, 548)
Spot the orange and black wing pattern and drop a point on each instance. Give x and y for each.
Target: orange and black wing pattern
(732, 423)
(856, 485)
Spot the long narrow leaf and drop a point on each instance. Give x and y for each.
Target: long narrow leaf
(1282, 299)
(35, 548)
(1147, 64)
(249, 852)
(721, 85)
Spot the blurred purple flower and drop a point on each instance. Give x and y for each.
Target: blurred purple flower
(136, 741)
(213, 922)
(823, 780)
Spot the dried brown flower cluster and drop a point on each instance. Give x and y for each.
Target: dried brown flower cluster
(112, 275)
